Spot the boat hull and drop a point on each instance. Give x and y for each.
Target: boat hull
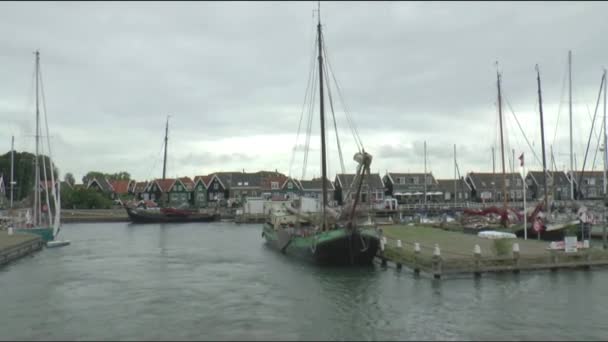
(336, 247)
(144, 217)
(45, 233)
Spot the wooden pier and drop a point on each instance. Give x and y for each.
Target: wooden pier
(419, 249)
(13, 247)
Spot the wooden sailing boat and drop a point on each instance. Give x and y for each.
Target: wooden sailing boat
(336, 240)
(47, 227)
(165, 215)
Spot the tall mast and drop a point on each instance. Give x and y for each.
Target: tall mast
(36, 168)
(455, 176)
(425, 172)
(166, 141)
(542, 137)
(570, 110)
(502, 148)
(12, 167)
(322, 115)
(605, 137)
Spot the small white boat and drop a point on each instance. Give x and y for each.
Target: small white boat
(492, 234)
(57, 243)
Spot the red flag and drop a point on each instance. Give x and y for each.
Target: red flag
(521, 159)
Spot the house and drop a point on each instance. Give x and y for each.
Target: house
(488, 187)
(216, 190)
(102, 185)
(591, 186)
(453, 190)
(199, 194)
(558, 184)
(373, 186)
(180, 192)
(314, 189)
(273, 187)
(139, 189)
(119, 188)
(158, 190)
(241, 184)
(409, 187)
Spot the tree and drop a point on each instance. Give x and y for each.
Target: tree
(82, 198)
(24, 172)
(69, 178)
(123, 175)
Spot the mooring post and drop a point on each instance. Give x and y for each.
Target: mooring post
(516, 257)
(416, 257)
(587, 252)
(437, 262)
(604, 237)
(399, 246)
(477, 260)
(553, 255)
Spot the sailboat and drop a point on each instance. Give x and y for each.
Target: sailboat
(46, 227)
(165, 215)
(333, 237)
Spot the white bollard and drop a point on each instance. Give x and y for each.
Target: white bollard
(437, 251)
(585, 243)
(399, 245)
(384, 239)
(10, 230)
(477, 250)
(417, 247)
(382, 244)
(516, 247)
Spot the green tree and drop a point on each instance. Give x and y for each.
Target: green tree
(82, 198)
(69, 178)
(23, 169)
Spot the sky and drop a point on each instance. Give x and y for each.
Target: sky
(233, 78)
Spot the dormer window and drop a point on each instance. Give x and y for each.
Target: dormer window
(246, 183)
(274, 185)
(240, 183)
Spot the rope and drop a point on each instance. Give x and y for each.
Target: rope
(592, 125)
(46, 123)
(521, 129)
(306, 94)
(351, 123)
(331, 105)
(561, 98)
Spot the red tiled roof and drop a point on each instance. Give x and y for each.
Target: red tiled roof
(165, 184)
(267, 182)
(120, 186)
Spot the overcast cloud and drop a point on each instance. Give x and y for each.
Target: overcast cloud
(233, 77)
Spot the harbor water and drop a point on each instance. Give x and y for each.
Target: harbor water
(218, 281)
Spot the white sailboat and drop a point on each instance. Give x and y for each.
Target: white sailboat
(48, 230)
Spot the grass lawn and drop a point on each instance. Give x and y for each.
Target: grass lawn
(457, 248)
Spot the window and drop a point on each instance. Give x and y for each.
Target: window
(216, 186)
(507, 182)
(246, 183)
(415, 180)
(518, 182)
(483, 183)
(240, 183)
(274, 185)
(200, 187)
(401, 180)
(289, 185)
(591, 181)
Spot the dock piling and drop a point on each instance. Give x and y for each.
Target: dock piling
(416, 257)
(516, 257)
(477, 260)
(436, 262)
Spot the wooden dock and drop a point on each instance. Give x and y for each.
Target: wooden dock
(13, 247)
(419, 249)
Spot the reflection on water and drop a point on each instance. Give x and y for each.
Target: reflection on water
(218, 281)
